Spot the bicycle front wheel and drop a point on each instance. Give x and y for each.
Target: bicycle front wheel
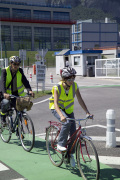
(87, 160)
(51, 143)
(26, 133)
(6, 131)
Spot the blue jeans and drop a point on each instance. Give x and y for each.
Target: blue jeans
(68, 127)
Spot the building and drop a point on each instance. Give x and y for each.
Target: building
(83, 61)
(88, 34)
(32, 25)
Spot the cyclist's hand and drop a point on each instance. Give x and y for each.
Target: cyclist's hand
(63, 118)
(89, 116)
(6, 96)
(32, 93)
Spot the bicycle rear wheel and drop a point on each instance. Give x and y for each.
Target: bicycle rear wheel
(26, 133)
(87, 160)
(51, 143)
(6, 130)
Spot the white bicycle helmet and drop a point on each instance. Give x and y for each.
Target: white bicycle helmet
(15, 59)
(67, 72)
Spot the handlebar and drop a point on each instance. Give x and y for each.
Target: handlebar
(88, 117)
(13, 96)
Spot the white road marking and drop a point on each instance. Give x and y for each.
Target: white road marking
(19, 179)
(3, 167)
(41, 101)
(109, 160)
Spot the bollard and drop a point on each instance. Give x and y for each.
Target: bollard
(110, 133)
(30, 76)
(51, 78)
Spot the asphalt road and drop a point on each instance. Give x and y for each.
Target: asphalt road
(98, 98)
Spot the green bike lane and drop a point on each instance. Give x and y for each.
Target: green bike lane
(37, 166)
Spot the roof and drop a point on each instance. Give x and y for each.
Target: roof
(63, 52)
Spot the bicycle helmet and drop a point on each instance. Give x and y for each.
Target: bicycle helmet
(15, 59)
(67, 72)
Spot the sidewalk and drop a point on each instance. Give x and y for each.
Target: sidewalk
(82, 81)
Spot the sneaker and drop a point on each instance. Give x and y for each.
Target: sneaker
(61, 148)
(72, 160)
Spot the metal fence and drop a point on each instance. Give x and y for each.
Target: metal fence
(107, 68)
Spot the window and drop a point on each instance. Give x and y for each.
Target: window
(4, 12)
(91, 60)
(41, 15)
(76, 37)
(22, 38)
(79, 36)
(6, 37)
(77, 61)
(61, 16)
(61, 38)
(79, 27)
(42, 38)
(21, 14)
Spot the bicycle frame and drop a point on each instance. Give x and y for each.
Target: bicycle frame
(75, 136)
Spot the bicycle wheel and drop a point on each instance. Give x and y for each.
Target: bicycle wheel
(51, 143)
(6, 130)
(26, 133)
(87, 160)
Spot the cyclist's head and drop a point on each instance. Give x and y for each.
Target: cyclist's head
(68, 72)
(15, 59)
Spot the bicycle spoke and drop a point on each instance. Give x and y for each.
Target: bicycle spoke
(87, 160)
(5, 131)
(51, 143)
(27, 134)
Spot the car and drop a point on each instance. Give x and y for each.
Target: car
(110, 64)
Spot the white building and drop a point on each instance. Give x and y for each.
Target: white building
(81, 61)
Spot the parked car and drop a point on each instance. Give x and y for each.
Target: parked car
(110, 64)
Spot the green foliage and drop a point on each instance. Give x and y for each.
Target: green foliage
(83, 13)
(30, 57)
(41, 93)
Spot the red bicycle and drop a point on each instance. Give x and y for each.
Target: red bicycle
(86, 154)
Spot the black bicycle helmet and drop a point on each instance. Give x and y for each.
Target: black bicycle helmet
(15, 59)
(67, 72)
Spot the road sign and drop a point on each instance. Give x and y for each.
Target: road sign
(37, 57)
(40, 74)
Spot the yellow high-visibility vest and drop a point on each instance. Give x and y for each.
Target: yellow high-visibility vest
(65, 102)
(20, 86)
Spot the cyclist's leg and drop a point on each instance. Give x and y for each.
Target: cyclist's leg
(4, 106)
(64, 130)
(72, 130)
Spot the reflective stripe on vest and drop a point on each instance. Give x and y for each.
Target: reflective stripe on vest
(20, 86)
(64, 101)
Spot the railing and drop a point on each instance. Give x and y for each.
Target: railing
(107, 68)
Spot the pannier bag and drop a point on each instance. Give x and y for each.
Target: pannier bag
(23, 103)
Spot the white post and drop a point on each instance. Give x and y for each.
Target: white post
(51, 78)
(110, 133)
(30, 76)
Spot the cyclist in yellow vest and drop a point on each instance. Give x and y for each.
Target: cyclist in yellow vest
(62, 106)
(13, 81)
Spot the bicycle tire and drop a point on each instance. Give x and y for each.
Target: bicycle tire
(52, 136)
(88, 164)
(6, 130)
(26, 132)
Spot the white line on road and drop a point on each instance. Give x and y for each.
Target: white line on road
(3, 167)
(109, 160)
(41, 101)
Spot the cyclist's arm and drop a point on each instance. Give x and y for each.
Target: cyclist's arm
(3, 84)
(81, 102)
(26, 83)
(63, 119)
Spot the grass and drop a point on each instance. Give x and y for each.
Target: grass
(30, 57)
(41, 93)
